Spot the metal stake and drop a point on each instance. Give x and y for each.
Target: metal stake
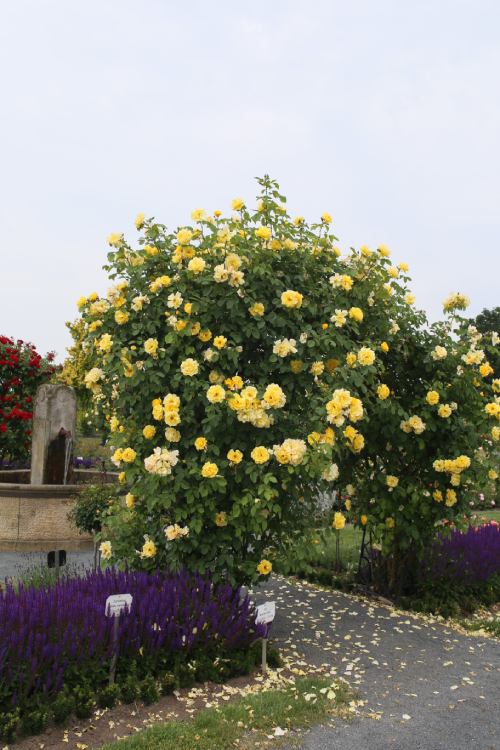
(115, 651)
(264, 656)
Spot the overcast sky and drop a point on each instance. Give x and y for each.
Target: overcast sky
(385, 113)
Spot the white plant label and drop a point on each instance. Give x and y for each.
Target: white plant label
(117, 602)
(265, 613)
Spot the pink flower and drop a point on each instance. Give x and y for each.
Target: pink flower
(471, 504)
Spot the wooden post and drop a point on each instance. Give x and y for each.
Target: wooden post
(115, 650)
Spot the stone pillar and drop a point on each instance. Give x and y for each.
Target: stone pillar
(54, 424)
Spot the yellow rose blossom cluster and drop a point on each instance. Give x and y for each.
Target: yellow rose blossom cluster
(456, 300)
(317, 368)
(284, 347)
(234, 384)
(175, 531)
(432, 398)
(250, 409)
(454, 467)
(495, 433)
(486, 369)
(473, 357)
(341, 280)
(291, 299)
(343, 405)
(290, 452)
(129, 500)
(228, 271)
(414, 423)
(99, 308)
(316, 438)
(161, 462)
(356, 441)
(172, 435)
(128, 455)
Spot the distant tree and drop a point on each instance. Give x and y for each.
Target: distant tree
(486, 323)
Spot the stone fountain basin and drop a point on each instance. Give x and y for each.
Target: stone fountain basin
(33, 517)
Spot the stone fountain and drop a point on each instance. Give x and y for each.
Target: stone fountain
(34, 503)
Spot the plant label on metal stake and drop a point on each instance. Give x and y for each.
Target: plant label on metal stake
(265, 614)
(114, 605)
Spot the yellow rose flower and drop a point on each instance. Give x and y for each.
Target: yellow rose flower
(139, 220)
(365, 251)
(257, 310)
(275, 245)
(189, 367)
(151, 250)
(264, 567)
(432, 398)
(205, 336)
(291, 299)
(235, 456)
(495, 433)
(129, 455)
(298, 220)
(115, 239)
(348, 505)
(338, 521)
(173, 436)
(332, 364)
(492, 409)
(221, 519)
(356, 314)
(106, 550)
(444, 411)
(410, 299)
(195, 329)
(129, 500)
(216, 394)
(121, 317)
(184, 237)
(209, 470)
(220, 342)
(384, 252)
(93, 297)
(351, 359)
(451, 498)
(200, 443)
(391, 481)
(364, 520)
(296, 365)
(158, 411)
(198, 214)
(326, 218)
(81, 301)
(196, 265)
(149, 431)
(317, 368)
(366, 356)
(390, 522)
(383, 392)
(172, 418)
(150, 346)
(438, 496)
(263, 232)
(492, 474)
(237, 204)
(403, 267)
(121, 477)
(260, 454)
(384, 346)
(149, 549)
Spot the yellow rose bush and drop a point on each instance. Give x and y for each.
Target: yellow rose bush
(257, 403)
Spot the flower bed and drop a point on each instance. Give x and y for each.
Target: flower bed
(59, 635)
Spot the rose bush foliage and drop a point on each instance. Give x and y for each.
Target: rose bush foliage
(22, 370)
(243, 360)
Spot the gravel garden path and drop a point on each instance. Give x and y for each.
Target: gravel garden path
(425, 685)
(431, 687)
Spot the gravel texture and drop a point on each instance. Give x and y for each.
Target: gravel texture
(431, 687)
